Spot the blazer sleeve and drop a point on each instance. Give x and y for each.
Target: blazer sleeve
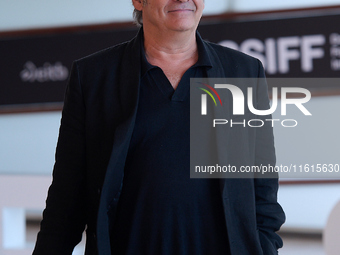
(64, 216)
(269, 214)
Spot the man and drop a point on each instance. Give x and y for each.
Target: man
(122, 159)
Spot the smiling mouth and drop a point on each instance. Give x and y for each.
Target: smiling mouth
(180, 10)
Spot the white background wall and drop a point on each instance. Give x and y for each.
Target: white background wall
(23, 14)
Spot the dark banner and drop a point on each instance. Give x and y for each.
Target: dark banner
(34, 70)
(291, 47)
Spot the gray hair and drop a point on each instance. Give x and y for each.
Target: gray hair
(137, 17)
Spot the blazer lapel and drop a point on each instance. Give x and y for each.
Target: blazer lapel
(129, 92)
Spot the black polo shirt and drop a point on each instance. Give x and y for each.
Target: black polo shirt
(161, 210)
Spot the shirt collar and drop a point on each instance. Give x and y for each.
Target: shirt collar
(145, 66)
(203, 57)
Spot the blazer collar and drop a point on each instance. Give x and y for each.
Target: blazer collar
(130, 75)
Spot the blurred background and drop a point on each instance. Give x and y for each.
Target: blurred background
(293, 39)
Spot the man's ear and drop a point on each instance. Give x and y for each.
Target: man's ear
(138, 4)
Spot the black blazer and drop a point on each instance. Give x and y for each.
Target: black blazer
(96, 127)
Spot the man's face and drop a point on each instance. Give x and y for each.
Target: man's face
(171, 14)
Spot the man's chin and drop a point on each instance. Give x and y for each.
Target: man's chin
(184, 27)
